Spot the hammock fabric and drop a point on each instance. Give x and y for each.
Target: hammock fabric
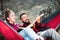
(54, 22)
(8, 33)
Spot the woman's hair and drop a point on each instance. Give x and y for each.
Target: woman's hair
(7, 13)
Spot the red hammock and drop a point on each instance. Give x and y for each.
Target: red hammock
(54, 22)
(8, 33)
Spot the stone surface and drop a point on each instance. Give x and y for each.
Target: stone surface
(31, 7)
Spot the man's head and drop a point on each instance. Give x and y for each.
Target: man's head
(24, 18)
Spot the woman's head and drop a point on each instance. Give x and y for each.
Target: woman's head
(10, 16)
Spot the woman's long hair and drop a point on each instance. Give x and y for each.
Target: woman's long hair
(7, 13)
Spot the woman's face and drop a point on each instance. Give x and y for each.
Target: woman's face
(11, 17)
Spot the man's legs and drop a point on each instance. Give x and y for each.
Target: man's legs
(30, 33)
(50, 33)
(26, 37)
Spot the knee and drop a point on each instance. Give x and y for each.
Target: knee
(52, 29)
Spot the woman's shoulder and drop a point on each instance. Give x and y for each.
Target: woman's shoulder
(20, 25)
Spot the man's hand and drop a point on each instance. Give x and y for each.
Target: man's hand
(38, 19)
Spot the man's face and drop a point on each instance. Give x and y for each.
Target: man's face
(25, 18)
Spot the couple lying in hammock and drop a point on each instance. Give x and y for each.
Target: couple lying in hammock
(27, 29)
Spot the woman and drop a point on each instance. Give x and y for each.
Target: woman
(27, 33)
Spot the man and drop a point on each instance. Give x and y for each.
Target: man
(43, 30)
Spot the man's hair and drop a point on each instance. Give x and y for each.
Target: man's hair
(22, 15)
